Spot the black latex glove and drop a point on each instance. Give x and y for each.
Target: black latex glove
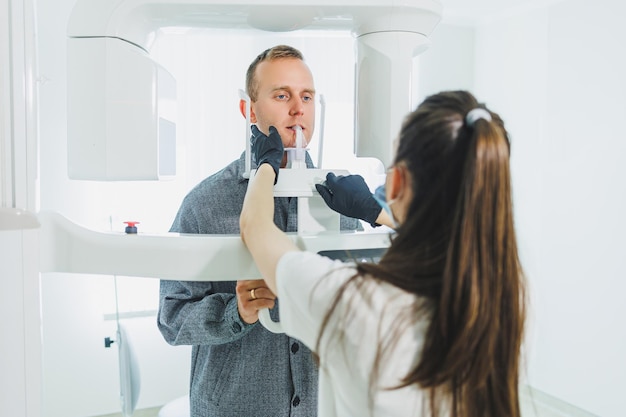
(268, 149)
(350, 196)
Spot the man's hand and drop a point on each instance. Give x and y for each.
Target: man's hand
(350, 196)
(268, 149)
(252, 296)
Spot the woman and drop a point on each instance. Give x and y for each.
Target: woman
(435, 328)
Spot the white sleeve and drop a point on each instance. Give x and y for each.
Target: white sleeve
(307, 285)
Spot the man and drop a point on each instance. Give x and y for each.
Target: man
(239, 369)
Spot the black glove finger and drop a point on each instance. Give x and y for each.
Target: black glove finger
(331, 178)
(358, 182)
(275, 137)
(268, 149)
(272, 141)
(274, 144)
(325, 193)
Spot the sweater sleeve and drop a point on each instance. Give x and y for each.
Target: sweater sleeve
(191, 313)
(203, 312)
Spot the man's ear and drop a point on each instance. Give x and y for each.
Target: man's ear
(242, 109)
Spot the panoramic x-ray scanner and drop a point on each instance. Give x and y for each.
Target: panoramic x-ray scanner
(119, 129)
(121, 126)
(118, 126)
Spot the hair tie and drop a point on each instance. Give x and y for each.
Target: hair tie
(475, 114)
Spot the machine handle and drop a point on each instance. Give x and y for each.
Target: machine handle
(268, 323)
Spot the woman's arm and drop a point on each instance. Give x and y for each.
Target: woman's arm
(266, 242)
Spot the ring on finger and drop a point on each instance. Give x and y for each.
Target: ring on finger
(252, 294)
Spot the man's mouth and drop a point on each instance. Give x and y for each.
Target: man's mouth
(294, 141)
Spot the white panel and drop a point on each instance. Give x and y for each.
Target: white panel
(115, 120)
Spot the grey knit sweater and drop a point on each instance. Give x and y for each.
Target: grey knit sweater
(237, 370)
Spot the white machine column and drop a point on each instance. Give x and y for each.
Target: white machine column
(20, 327)
(384, 81)
(20, 307)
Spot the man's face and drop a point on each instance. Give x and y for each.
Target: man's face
(286, 98)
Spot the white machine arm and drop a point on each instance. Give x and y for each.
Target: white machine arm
(137, 21)
(68, 247)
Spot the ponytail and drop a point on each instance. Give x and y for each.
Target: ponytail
(481, 276)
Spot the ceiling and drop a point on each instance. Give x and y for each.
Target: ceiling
(474, 11)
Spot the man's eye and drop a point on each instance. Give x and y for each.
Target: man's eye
(307, 98)
(282, 96)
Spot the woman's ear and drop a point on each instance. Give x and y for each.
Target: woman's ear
(242, 109)
(396, 183)
(399, 191)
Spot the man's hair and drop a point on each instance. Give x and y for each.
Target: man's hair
(276, 52)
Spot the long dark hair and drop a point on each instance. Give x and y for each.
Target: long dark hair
(457, 250)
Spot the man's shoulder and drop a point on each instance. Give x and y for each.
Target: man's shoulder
(229, 176)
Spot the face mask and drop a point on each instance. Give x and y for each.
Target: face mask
(381, 198)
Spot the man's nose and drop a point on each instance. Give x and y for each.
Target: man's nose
(297, 107)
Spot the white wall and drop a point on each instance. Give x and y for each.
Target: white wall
(449, 62)
(557, 77)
